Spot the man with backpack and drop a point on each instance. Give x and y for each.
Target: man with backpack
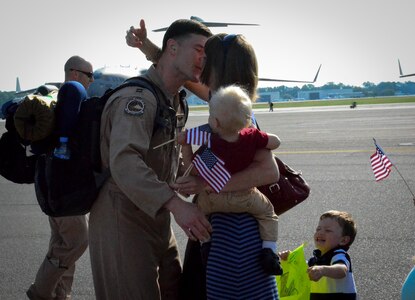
(133, 250)
(69, 235)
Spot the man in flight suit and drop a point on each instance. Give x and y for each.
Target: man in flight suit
(69, 235)
(133, 250)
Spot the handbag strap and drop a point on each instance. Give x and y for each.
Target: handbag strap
(255, 122)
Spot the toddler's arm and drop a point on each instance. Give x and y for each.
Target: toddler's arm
(273, 141)
(336, 271)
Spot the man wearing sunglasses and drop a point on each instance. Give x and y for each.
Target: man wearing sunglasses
(69, 235)
(78, 69)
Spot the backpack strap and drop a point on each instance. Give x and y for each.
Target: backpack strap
(184, 105)
(160, 121)
(162, 102)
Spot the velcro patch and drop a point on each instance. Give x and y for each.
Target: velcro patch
(135, 106)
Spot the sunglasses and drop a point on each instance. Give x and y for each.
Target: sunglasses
(89, 74)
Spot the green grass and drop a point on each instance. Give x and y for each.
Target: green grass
(374, 100)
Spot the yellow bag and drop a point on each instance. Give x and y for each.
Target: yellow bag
(35, 118)
(294, 283)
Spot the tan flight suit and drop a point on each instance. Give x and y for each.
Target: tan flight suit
(133, 250)
(68, 241)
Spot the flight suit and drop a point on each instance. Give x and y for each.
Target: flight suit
(133, 249)
(69, 240)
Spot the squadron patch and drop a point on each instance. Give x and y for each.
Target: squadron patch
(135, 106)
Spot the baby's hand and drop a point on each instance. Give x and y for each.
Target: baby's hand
(315, 272)
(284, 254)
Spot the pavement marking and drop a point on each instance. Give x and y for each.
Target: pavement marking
(390, 150)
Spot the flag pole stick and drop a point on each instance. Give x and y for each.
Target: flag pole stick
(187, 172)
(165, 143)
(413, 196)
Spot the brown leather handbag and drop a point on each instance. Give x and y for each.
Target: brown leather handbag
(290, 190)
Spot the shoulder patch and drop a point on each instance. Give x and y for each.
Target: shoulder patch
(135, 106)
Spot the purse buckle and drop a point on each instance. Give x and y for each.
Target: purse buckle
(274, 188)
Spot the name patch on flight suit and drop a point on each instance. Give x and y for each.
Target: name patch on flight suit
(135, 106)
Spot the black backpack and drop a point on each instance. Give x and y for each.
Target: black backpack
(18, 154)
(15, 164)
(69, 187)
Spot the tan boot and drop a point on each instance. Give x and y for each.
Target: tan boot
(31, 293)
(47, 278)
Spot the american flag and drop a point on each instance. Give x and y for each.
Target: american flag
(381, 165)
(199, 135)
(212, 169)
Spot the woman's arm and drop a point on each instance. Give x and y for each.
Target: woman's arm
(137, 38)
(264, 164)
(199, 89)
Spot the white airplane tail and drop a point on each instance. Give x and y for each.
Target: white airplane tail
(401, 75)
(400, 68)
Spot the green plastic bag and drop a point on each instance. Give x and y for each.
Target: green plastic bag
(294, 283)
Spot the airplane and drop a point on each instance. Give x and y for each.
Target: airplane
(105, 78)
(19, 95)
(290, 80)
(109, 77)
(401, 73)
(19, 92)
(18, 89)
(221, 24)
(44, 88)
(210, 24)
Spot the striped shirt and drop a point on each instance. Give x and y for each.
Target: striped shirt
(330, 288)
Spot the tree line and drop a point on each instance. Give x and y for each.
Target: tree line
(368, 89)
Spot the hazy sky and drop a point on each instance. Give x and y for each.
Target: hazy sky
(354, 40)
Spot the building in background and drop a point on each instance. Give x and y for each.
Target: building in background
(329, 94)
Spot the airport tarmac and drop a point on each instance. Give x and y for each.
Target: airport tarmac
(331, 146)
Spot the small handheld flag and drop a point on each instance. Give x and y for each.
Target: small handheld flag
(381, 165)
(212, 169)
(199, 135)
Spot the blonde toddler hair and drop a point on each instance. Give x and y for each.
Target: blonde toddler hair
(232, 107)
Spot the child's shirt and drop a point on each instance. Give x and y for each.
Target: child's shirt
(239, 155)
(330, 288)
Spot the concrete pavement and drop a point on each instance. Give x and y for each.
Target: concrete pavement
(331, 147)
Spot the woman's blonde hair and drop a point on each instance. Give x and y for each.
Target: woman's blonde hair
(230, 59)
